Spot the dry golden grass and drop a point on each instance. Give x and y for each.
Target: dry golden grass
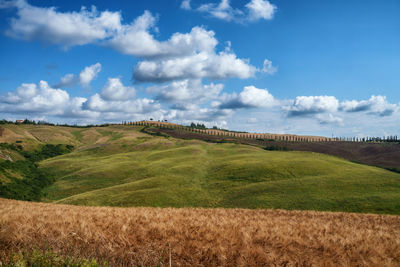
(200, 237)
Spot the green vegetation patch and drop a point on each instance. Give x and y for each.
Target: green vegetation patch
(113, 135)
(140, 169)
(178, 173)
(277, 148)
(33, 179)
(38, 257)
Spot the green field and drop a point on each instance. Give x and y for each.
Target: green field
(120, 166)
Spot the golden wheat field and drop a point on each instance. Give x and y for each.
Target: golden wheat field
(200, 237)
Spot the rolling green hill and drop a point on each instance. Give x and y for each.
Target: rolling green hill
(121, 166)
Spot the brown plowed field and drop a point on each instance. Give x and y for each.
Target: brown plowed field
(200, 237)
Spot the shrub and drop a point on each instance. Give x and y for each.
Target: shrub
(34, 179)
(277, 148)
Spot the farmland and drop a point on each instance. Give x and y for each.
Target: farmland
(195, 236)
(199, 133)
(188, 200)
(121, 166)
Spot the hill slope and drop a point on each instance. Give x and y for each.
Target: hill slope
(121, 166)
(385, 154)
(155, 171)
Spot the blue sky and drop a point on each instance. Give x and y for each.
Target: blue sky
(303, 67)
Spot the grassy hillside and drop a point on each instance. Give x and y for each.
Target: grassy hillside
(192, 237)
(32, 136)
(385, 155)
(156, 171)
(121, 166)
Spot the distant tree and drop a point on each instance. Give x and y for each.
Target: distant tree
(26, 121)
(197, 126)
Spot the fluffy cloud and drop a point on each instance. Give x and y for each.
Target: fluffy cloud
(32, 98)
(114, 102)
(223, 10)
(41, 99)
(201, 65)
(182, 92)
(186, 5)
(89, 73)
(68, 80)
(198, 114)
(85, 77)
(255, 10)
(74, 110)
(135, 39)
(117, 99)
(306, 105)
(69, 29)
(190, 100)
(99, 104)
(65, 29)
(268, 67)
(377, 105)
(250, 97)
(329, 119)
(190, 55)
(260, 9)
(23, 93)
(114, 90)
(90, 26)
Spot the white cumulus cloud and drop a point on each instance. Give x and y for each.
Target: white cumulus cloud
(89, 73)
(194, 113)
(306, 105)
(253, 11)
(62, 28)
(250, 97)
(201, 65)
(114, 90)
(186, 92)
(377, 105)
(190, 55)
(35, 98)
(260, 9)
(142, 106)
(84, 78)
(135, 38)
(114, 102)
(222, 11)
(329, 119)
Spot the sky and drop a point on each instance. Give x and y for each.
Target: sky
(309, 67)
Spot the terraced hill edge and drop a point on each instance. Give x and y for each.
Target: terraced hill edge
(217, 132)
